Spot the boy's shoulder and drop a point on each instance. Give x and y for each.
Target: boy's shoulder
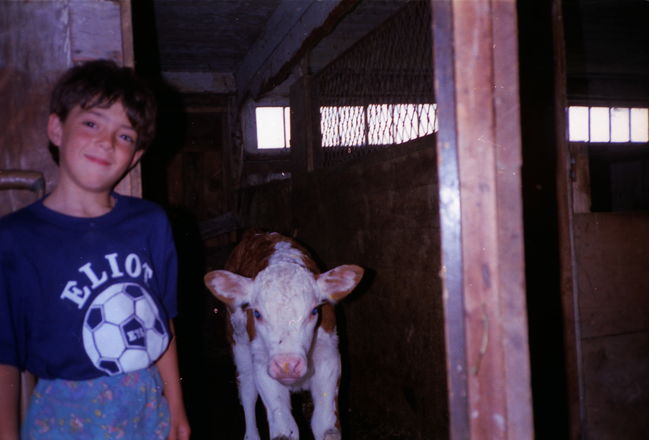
(18, 217)
(136, 203)
(135, 207)
(14, 224)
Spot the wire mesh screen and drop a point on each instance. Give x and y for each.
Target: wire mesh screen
(379, 93)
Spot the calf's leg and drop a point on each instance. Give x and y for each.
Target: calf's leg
(247, 389)
(277, 400)
(325, 424)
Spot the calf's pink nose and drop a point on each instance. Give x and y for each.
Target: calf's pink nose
(287, 367)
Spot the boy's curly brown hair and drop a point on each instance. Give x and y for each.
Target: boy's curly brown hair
(101, 83)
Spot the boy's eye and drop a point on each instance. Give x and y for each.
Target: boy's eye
(90, 124)
(127, 138)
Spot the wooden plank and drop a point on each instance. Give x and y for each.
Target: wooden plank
(292, 30)
(484, 60)
(96, 30)
(580, 177)
(616, 383)
(202, 82)
(305, 130)
(35, 50)
(612, 272)
(567, 263)
(450, 228)
(508, 164)
(478, 198)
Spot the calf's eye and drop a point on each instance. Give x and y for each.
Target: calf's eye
(315, 311)
(257, 314)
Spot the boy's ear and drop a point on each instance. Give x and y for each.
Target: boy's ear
(136, 157)
(54, 129)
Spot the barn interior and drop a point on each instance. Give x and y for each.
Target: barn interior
(356, 177)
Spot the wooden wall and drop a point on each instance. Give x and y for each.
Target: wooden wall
(380, 213)
(187, 166)
(612, 252)
(38, 41)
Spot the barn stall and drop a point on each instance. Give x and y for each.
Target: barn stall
(404, 160)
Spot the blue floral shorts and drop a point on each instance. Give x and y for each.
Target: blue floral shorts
(129, 406)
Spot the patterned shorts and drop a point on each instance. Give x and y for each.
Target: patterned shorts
(129, 406)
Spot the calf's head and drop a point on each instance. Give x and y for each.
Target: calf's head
(283, 302)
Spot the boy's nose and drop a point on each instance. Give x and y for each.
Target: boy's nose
(105, 141)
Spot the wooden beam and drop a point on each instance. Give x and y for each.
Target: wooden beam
(479, 160)
(567, 251)
(291, 31)
(126, 18)
(201, 82)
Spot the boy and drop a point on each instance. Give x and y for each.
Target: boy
(88, 278)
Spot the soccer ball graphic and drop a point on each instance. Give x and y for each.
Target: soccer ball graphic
(122, 330)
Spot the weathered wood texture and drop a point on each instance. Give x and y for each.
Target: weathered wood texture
(570, 198)
(186, 168)
(484, 63)
(580, 174)
(38, 41)
(292, 30)
(380, 214)
(225, 30)
(35, 50)
(614, 307)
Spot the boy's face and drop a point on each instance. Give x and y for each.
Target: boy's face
(96, 147)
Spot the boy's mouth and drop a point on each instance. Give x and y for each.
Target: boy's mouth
(98, 160)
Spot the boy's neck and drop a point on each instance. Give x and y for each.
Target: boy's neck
(87, 205)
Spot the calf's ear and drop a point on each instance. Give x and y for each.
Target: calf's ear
(229, 287)
(338, 282)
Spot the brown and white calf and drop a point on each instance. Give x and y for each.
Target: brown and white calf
(284, 330)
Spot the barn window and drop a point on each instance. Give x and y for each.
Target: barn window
(608, 124)
(273, 127)
(379, 93)
(610, 154)
(376, 124)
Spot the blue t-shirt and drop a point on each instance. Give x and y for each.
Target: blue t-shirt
(86, 297)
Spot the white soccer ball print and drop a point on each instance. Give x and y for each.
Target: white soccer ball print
(122, 330)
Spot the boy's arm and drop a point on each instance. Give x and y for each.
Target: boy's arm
(168, 367)
(9, 386)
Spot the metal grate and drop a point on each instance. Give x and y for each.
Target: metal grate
(379, 93)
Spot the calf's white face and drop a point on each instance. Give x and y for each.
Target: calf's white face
(284, 300)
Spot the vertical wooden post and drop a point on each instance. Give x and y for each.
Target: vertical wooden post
(568, 202)
(479, 161)
(305, 140)
(131, 183)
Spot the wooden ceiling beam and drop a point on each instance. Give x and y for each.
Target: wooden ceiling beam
(293, 29)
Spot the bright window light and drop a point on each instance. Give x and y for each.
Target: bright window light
(376, 124)
(352, 133)
(427, 116)
(639, 125)
(578, 117)
(329, 123)
(599, 124)
(273, 127)
(608, 124)
(379, 117)
(620, 124)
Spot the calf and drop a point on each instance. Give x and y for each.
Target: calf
(284, 330)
